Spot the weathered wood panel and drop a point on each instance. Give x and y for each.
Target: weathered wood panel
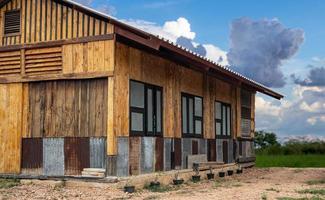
(10, 127)
(70, 108)
(212, 150)
(48, 20)
(195, 147)
(76, 155)
(89, 57)
(10, 63)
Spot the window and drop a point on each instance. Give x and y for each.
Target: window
(246, 101)
(12, 22)
(222, 119)
(145, 109)
(192, 115)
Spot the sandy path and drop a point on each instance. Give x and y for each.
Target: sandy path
(252, 184)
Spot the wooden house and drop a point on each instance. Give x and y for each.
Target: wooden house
(80, 89)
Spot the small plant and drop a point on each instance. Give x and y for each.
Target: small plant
(155, 182)
(177, 180)
(196, 177)
(211, 174)
(264, 197)
(158, 188)
(128, 188)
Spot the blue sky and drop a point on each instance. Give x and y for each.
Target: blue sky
(302, 112)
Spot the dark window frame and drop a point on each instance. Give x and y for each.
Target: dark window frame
(222, 135)
(195, 118)
(4, 23)
(144, 111)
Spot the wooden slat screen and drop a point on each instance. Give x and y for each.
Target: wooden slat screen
(10, 63)
(43, 61)
(12, 22)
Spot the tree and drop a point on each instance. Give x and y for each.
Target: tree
(265, 139)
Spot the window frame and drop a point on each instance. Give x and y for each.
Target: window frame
(144, 111)
(223, 136)
(195, 118)
(4, 23)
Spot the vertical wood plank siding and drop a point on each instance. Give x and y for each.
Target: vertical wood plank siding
(10, 127)
(48, 20)
(76, 155)
(67, 108)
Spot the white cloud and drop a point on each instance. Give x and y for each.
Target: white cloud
(216, 54)
(179, 28)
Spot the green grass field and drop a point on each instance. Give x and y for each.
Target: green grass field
(290, 161)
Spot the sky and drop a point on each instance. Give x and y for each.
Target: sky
(279, 43)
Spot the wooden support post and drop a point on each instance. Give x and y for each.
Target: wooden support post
(111, 135)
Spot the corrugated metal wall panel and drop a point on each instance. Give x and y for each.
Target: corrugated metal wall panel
(97, 151)
(225, 151)
(202, 146)
(122, 161)
(76, 155)
(186, 150)
(147, 154)
(159, 151)
(32, 155)
(219, 150)
(53, 156)
(230, 151)
(167, 154)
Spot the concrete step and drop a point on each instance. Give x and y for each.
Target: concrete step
(92, 174)
(94, 170)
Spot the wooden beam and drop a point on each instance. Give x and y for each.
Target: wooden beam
(111, 135)
(70, 76)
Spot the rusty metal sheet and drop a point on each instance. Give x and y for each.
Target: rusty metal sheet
(176, 158)
(97, 148)
(195, 147)
(230, 151)
(76, 155)
(211, 150)
(32, 155)
(134, 155)
(53, 156)
(159, 147)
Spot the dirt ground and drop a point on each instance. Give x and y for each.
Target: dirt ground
(270, 183)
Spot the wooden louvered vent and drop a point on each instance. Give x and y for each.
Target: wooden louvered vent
(43, 61)
(10, 63)
(12, 22)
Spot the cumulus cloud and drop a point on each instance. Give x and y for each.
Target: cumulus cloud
(316, 77)
(179, 31)
(258, 48)
(305, 114)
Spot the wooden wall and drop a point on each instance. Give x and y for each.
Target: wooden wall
(11, 97)
(138, 65)
(48, 20)
(67, 108)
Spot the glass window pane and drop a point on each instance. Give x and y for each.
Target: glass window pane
(198, 106)
(184, 114)
(137, 121)
(149, 111)
(228, 120)
(190, 114)
(218, 128)
(158, 110)
(224, 120)
(217, 110)
(198, 127)
(137, 94)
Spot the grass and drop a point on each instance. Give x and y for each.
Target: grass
(316, 182)
(312, 191)
(8, 183)
(304, 198)
(298, 161)
(160, 188)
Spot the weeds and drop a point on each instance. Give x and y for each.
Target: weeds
(8, 183)
(159, 188)
(316, 182)
(312, 191)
